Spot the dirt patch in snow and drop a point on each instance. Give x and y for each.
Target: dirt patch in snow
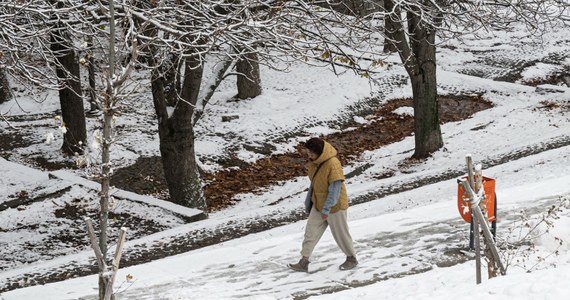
(380, 128)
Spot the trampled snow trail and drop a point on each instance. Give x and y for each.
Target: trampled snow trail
(257, 269)
(390, 242)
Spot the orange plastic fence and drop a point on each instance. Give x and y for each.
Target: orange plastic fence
(463, 200)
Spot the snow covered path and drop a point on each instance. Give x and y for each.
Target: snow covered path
(389, 245)
(185, 234)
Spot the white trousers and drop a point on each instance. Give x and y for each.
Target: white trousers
(316, 226)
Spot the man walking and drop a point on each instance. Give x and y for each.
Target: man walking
(326, 203)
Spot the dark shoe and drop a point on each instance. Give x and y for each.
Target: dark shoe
(301, 266)
(349, 263)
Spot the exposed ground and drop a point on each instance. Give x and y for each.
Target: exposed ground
(385, 127)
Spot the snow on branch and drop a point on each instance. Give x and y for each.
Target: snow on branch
(315, 32)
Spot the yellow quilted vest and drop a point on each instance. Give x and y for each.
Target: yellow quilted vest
(330, 171)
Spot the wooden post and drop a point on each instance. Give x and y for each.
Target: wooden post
(481, 220)
(470, 176)
(489, 239)
(95, 246)
(108, 276)
(477, 237)
(491, 262)
(115, 264)
(476, 231)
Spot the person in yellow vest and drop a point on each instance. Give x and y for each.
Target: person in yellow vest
(326, 203)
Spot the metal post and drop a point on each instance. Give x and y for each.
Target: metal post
(477, 238)
(494, 223)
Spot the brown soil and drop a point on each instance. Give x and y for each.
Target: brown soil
(385, 127)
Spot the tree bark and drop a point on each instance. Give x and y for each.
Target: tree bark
(418, 57)
(176, 134)
(249, 79)
(5, 94)
(93, 105)
(427, 130)
(72, 111)
(106, 152)
(176, 129)
(172, 80)
(389, 46)
(389, 26)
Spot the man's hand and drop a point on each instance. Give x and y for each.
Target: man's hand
(324, 217)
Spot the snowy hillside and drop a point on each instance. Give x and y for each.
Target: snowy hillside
(408, 241)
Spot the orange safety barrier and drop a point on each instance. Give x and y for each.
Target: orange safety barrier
(463, 200)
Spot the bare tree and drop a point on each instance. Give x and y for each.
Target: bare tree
(248, 77)
(117, 75)
(185, 35)
(418, 55)
(5, 93)
(412, 26)
(35, 38)
(71, 101)
(44, 33)
(176, 133)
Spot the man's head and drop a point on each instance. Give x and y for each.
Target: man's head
(315, 147)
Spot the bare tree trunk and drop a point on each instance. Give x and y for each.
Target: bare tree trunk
(5, 93)
(176, 129)
(176, 133)
(67, 70)
(172, 80)
(94, 107)
(106, 153)
(426, 128)
(389, 46)
(389, 26)
(105, 187)
(424, 87)
(112, 96)
(249, 79)
(419, 60)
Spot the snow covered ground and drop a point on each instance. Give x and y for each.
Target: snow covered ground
(404, 241)
(389, 246)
